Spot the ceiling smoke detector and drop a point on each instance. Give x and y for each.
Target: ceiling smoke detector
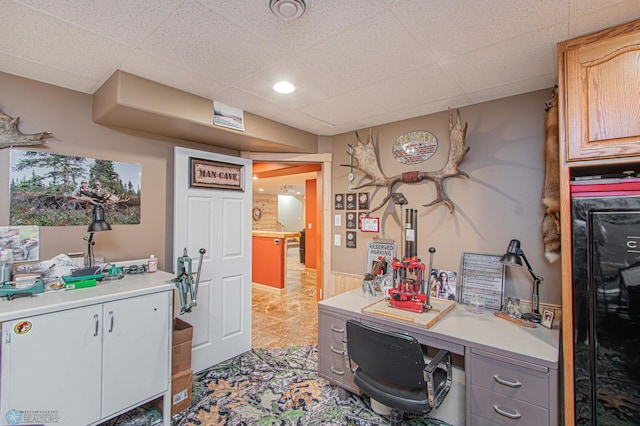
(288, 10)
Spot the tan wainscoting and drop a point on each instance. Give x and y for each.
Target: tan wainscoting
(341, 283)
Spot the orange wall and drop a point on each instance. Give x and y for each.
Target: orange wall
(268, 261)
(311, 234)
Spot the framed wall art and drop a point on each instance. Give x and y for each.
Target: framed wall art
(351, 239)
(351, 201)
(363, 201)
(338, 203)
(482, 276)
(351, 220)
(214, 174)
(50, 189)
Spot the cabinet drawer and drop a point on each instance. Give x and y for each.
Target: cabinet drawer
(513, 381)
(500, 409)
(333, 368)
(332, 329)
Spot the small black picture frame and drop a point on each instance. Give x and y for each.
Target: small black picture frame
(351, 239)
(351, 201)
(351, 220)
(363, 201)
(338, 202)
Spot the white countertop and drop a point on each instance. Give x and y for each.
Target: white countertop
(105, 291)
(483, 331)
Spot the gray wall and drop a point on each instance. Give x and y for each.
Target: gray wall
(499, 201)
(67, 114)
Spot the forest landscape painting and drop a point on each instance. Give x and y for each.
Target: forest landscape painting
(60, 190)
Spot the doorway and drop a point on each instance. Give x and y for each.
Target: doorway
(289, 317)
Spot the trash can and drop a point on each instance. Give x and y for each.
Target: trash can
(302, 246)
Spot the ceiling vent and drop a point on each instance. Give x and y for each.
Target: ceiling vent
(288, 10)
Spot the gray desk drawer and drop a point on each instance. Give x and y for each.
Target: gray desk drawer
(511, 380)
(494, 408)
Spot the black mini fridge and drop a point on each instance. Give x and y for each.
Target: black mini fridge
(606, 309)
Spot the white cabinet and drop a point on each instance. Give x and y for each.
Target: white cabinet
(82, 365)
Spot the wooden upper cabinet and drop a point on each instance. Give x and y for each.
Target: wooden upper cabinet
(600, 89)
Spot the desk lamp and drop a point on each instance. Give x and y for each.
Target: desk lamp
(514, 257)
(98, 224)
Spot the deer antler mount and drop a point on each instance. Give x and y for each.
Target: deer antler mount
(364, 158)
(10, 135)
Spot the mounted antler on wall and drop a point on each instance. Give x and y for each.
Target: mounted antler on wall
(10, 135)
(365, 160)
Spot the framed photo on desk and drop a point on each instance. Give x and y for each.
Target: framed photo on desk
(482, 276)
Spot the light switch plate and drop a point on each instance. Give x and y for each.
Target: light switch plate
(336, 240)
(338, 220)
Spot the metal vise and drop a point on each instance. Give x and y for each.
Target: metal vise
(187, 286)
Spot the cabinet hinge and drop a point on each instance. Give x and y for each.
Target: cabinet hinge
(7, 337)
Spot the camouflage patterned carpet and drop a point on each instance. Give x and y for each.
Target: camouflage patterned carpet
(271, 386)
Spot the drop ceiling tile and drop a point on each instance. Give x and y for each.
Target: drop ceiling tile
(203, 41)
(172, 75)
(456, 27)
(515, 88)
(606, 17)
(311, 84)
(265, 108)
(581, 7)
(322, 20)
(36, 71)
(39, 38)
(125, 21)
(346, 107)
(522, 58)
(416, 87)
(377, 49)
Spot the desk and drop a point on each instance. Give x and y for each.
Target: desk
(511, 372)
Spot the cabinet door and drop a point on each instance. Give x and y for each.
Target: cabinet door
(51, 367)
(602, 90)
(135, 351)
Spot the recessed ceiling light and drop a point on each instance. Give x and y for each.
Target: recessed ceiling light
(260, 189)
(284, 87)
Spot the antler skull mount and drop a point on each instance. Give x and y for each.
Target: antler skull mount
(10, 135)
(364, 158)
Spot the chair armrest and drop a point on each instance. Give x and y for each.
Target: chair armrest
(438, 377)
(442, 355)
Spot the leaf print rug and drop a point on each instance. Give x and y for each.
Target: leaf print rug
(268, 386)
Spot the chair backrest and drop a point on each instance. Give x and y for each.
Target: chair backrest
(392, 357)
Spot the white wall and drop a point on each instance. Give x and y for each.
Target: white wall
(291, 212)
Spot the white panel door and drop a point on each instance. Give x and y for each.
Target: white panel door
(135, 350)
(47, 362)
(218, 220)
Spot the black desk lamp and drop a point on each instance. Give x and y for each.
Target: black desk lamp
(514, 257)
(98, 224)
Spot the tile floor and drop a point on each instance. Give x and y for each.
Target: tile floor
(289, 318)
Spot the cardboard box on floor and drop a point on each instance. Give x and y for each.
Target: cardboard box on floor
(181, 388)
(181, 350)
(181, 385)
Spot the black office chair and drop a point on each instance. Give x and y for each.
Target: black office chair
(392, 370)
